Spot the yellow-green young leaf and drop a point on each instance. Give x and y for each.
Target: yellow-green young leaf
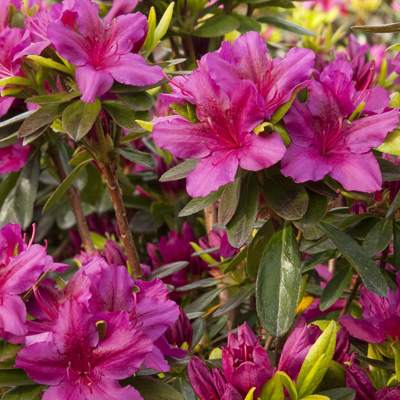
(273, 389)
(47, 62)
(150, 34)
(284, 108)
(205, 257)
(16, 80)
(145, 125)
(315, 397)
(396, 352)
(10, 92)
(320, 355)
(98, 241)
(394, 99)
(394, 47)
(391, 144)
(357, 112)
(289, 385)
(162, 27)
(379, 376)
(216, 354)
(249, 396)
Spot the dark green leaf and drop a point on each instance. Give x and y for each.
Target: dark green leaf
(9, 140)
(160, 210)
(352, 194)
(287, 198)
(396, 245)
(218, 25)
(66, 183)
(56, 98)
(286, 25)
(138, 157)
(8, 351)
(376, 363)
(207, 282)
(134, 136)
(78, 118)
(321, 188)
(7, 185)
(339, 394)
(44, 116)
(257, 248)
(241, 295)
(236, 261)
(199, 328)
(17, 118)
(379, 237)
(390, 171)
(218, 326)
(358, 258)
(394, 207)
(33, 136)
(121, 88)
(242, 223)
(182, 384)
(386, 28)
(124, 116)
(335, 288)
(154, 389)
(247, 24)
(199, 203)
(14, 377)
(203, 301)
(90, 193)
(315, 212)
(180, 171)
(229, 200)
(278, 282)
(317, 259)
(22, 392)
(139, 101)
(167, 270)
(80, 158)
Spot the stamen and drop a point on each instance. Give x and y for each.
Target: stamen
(330, 141)
(41, 302)
(369, 80)
(32, 237)
(175, 84)
(134, 306)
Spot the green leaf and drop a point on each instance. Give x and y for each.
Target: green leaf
(17, 118)
(335, 287)
(8, 185)
(247, 24)
(163, 25)
(124, 116)
(9, 140)
(315, 212)
(278, 282)
(286, 25)
(203, 301)
(317, 362)
(391, 144)
(385, 28)
(14, 377)
(199, 328)
(16, 80)
(396, 244)
(80, 158)
(8, 351)
(287, 198)
(33, 136)
(229, 200)
(236, 261)
(390, 171)
(358, 258)
(134, 135)
(138, 157)
(154, 390)
(167, 270)
(44, 116)
(317, 259)
(379, 237)
(394, 207)
(216, 329)
(199, 203)
(140, 101)
(203, 283)
(180, 171)
(218, 25)
(22, 392)
(78, 118)
(65, 184)
(60, 97)
(242, 223)
(321, 188)
(340, 394)
(18, 205)
(273, 389)
(241, 295)
(284, 108)
(47, 62)
(289, 385)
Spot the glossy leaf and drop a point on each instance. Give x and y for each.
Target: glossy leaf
(138, 157)
(391, 144)
(33, 136)
(229, 200)
(379, 237)
(44, 116)
(241, 295)
(16, 80)
(218, 25)
(317, 362)
(9, 140)
(278, 282)
(203, 301)
(203, 283)
(180, 171)
(358, 258)
(289, 385)
(47, 62)
(198, 203)
(167, 270)
(236, 261)
(390, 171)
(199, 328)
(80, 158)
(242, 223)
(140, 101)
(157, 390)
(316, 210)
(55, 98)
(273, 389)
(287, 198)
(78, 118)
(257, 248)
(394, 207)
(14, 377)
(335, 287)
(286, 25)
(340, 394)
(22, 392)
(17, 118)
(163, 25)
(8, 185)
(65, 184)
(321, 188)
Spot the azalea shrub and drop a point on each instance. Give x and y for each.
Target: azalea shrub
(200, 200)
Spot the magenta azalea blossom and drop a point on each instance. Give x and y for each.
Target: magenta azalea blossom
(13, 158)
(101, 52)
(275, 79)
(224, 137)
(325, 142)
(78, 364)
(120, 7)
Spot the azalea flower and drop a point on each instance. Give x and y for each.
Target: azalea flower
(223, 138)
(78, 363)
(101, 52)
(13, 158)
(120, 7)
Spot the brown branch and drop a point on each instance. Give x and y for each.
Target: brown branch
(75, 202)
(268, 342)
(351, 296)
(210, 215)
(120, 212)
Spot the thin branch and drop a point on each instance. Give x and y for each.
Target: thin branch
(351, 297)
